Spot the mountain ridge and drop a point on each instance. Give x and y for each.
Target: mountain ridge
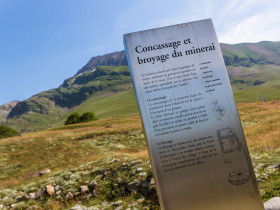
(253, 68)
(243, 54)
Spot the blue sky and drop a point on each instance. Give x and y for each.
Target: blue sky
(44, 42)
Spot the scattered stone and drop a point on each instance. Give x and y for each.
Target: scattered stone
(78, 207)
(69, 196)
(152, 182)
(277, 165)
(116, 203)
(139, 170)
(58, 188)
(119, 208)
(50, 189)
(93, 184)
(77, 194)
(143, 174)
(141, 200)
(1, 206)
(133, 185)
(19, 198)
(13, 205)
(144, 183)
(31, 195)
(58, 192)
(272, 204)
(84, 189)
(39, 194)
(44, 172)
(86, 182)
(134, 204)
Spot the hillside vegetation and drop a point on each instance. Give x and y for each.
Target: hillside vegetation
(253, 68)
(111, 152)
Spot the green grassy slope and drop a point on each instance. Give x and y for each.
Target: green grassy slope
(119, 105)
(246, 91)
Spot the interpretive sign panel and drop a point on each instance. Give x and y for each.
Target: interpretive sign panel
(196, 143)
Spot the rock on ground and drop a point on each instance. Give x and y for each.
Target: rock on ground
(44, 172)
(69, 196)
(93, 184)
(31, 195)
(133, 185)
(84, 189)
(78, 207)
(50, 189)
(272, 204)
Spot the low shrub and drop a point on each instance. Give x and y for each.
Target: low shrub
(76, 118)
(6, 132)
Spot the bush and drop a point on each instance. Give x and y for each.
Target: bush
(76, 118)
(87, 117)
(6, 132)
(72, 119)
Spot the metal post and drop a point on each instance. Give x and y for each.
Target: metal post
(263, 98)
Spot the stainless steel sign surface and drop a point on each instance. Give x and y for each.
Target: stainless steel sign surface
(196, 143)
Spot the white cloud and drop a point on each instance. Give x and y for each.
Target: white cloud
(235, 21)
(259, 27)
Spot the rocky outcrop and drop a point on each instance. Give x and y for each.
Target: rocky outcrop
(35, 104)
(111, 59)
(5, 110)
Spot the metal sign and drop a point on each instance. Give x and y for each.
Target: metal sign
(196, 143)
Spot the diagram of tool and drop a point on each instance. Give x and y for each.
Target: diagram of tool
(239, 176)
(228, 140)
(218, 109)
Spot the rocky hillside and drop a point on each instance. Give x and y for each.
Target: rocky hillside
(43, 109)
(112, 59)
(245, 54)
(6, 109)
(253, 68)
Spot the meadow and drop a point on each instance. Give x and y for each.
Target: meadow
(113, 143)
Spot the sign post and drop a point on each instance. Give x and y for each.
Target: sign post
(193, 131)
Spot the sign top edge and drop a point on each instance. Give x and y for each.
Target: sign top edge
(129, 34)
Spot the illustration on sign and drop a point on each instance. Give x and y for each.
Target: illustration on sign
(229, 141)
(239, 176)
(218, 109)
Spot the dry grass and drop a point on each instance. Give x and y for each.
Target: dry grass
(261, 123)
(22, 158)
